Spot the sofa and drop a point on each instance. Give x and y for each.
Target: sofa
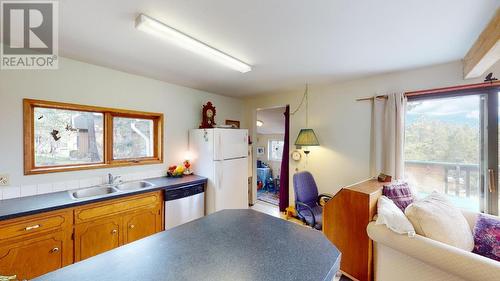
(398, 257)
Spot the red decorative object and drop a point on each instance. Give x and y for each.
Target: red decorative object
(208, 116)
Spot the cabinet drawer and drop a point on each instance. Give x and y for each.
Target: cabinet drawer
(34, 224)
(109, 208)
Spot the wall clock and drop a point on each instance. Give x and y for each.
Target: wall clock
(296, 155)
(208, 116)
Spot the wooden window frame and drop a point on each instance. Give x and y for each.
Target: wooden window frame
(108, 115)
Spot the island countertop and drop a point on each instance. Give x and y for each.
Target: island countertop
(228, 245)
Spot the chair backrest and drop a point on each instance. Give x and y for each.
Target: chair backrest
(306, 190)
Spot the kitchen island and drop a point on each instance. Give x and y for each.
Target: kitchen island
(227, 245)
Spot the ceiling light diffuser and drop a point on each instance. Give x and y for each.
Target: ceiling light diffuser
(157, 28)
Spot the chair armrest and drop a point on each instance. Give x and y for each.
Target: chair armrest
(464, 264)
(308, 209)
(325, 196)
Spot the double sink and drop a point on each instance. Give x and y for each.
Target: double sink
(105, 189)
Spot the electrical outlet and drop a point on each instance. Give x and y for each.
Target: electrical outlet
(4, 179)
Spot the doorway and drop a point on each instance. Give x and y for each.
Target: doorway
(270, 149)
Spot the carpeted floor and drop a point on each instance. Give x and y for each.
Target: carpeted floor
(269, 197)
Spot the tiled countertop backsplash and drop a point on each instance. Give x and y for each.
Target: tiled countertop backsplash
(8, 192)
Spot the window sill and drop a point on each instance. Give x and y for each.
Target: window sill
(121, 163)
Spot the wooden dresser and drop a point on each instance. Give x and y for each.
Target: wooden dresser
(345, 218)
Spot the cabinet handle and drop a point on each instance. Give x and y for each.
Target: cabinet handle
(114, 231)
(55, 250)
(6, 278)
(132, 226)
(28, 228)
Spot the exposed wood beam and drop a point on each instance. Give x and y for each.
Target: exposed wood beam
(486, 50)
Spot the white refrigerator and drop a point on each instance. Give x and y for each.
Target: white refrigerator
(221, 156)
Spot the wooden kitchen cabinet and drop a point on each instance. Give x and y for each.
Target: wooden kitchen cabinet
(34, 245)
(33, 257)
(103, 226)
(141, 224)
(96, 237)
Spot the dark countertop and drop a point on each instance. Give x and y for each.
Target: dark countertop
(23, 206)
(228, 245)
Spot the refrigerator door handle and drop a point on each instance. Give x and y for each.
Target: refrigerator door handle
(219, 178)
(221, 154)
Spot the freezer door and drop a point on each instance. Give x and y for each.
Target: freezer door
(231, 186)
(230, 144)
(201, 143)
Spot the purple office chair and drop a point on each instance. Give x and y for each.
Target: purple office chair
(307, 200)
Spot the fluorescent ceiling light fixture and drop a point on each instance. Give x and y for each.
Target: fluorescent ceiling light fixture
(259, 123)
(157, 28)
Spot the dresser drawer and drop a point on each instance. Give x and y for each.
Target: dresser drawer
(33, 224)
(113, 207)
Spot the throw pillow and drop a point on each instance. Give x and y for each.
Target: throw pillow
(400, 193)
(390, 215)
(487, 237)
(435, 217)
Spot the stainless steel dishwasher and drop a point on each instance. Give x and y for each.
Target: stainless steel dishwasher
(184, 204)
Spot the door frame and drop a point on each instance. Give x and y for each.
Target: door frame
(253, 133)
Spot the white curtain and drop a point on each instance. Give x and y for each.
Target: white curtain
(388, 124)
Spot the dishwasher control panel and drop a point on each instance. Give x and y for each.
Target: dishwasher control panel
(184, 191)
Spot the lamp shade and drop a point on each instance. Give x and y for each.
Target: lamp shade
(306, 137)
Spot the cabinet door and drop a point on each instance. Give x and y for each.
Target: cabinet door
(141, 223)
(33, 257)
(96, 237)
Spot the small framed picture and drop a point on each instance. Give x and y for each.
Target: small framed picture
(261, 150)
(234, 123)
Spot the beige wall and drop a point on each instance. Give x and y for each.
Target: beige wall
(82, 83)
(343, 125)
(263, 140)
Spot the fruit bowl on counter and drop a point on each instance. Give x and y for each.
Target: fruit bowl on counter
(177, 171)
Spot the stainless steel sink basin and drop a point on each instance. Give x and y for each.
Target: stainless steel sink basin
(91, 192)
(133, 185)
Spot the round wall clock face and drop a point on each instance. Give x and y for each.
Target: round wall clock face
(296, 155)
(210, 113)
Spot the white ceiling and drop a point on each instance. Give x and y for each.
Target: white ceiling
(273, 119)
(288, 42)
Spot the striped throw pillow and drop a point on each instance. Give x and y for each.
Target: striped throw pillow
(400, 193)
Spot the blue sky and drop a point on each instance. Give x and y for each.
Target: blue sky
(458, 110)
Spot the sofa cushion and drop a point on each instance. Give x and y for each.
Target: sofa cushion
(487, 237)
(435, 217)
(400, 193)
(390, 215)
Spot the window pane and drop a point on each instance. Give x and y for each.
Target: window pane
(67, 137)
(275, 150)
(442, 148)
(132, 138)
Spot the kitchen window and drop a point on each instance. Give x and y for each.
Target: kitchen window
(63, 137)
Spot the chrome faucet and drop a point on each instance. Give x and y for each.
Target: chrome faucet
(111, 179)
